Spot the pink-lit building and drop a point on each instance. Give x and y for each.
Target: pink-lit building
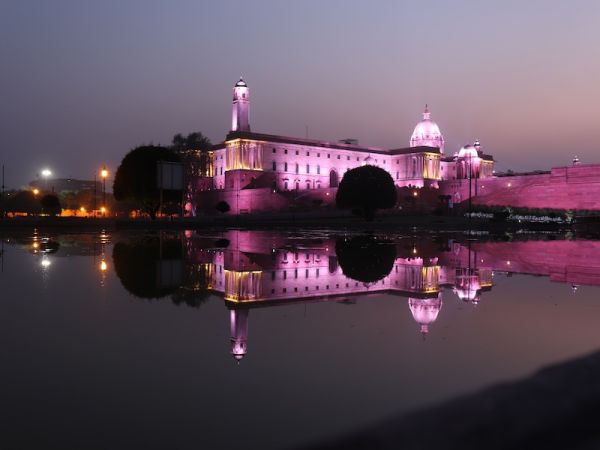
(255, 172)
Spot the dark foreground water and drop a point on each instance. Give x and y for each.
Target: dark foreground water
(265, 340)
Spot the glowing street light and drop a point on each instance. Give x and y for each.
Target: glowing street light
(103, 266)
(46, 173)
(104, 175)
(36, 191)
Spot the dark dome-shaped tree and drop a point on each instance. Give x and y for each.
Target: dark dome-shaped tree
(365, 258)
(365, 190)
(136, 178)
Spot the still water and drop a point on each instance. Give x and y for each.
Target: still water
(246, 339)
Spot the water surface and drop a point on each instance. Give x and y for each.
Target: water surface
(269, 340)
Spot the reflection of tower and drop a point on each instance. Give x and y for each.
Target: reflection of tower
(238, 321)
(241, 107)
(425, 310)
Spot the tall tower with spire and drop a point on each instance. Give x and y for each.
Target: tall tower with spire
(241, 107)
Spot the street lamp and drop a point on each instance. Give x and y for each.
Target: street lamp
(104, 175)
(46, 173)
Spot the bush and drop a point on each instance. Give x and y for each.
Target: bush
(50, 205)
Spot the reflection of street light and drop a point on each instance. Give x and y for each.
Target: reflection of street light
(104, 175)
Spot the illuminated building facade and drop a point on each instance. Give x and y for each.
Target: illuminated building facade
(255, 172)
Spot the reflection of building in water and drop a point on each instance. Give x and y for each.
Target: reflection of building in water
(268, 269)
(238, 320)
(257, 269)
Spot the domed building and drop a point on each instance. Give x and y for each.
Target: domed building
(427, 133)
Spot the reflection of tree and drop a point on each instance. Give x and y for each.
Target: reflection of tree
(196, 286)
(365, 258)
(136, 263)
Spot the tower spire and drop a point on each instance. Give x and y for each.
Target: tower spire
(426, 113)
(240, 111)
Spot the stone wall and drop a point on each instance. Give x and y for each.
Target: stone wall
(576, 187)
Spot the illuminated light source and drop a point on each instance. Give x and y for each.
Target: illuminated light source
(45, 262)
(508, 263)
(103, 266)
(415, 193)
(36, 191)
(103, 210)
(82, 209)
(509, 184)
(46, 173)
(104, 172)
(36, 245)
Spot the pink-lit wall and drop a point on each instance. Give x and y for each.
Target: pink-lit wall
(575, 187)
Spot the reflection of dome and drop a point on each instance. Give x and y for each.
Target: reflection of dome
(238, 349)
(425, 310)
(467, 288)
(427, 133)
(468, 151)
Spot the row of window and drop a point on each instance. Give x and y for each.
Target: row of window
(348, 157)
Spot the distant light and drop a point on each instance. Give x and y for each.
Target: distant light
(104, 172)
(82, 209)
(36, 191)
(45, 263)
(36, 245)
(103, 266)
(415, 194)
(103, 210)
(509, 184)
(46, 173)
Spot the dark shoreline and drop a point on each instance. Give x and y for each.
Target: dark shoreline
(285, 222)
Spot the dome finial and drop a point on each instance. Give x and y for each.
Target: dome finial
(426, 113)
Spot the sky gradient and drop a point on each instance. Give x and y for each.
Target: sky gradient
(83, 82)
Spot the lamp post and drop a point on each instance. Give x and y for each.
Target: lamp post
(46, 173)
(104, 174)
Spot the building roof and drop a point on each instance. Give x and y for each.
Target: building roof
(323, 144)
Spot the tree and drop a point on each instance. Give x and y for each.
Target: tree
(136, 263)
(193, 152)
(50, 205)
(222, 207)
(365, 258)
(23, 202)
(365, 190)
(136, 179)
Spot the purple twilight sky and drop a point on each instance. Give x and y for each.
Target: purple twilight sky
(84, 81)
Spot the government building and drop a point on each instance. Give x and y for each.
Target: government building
(254, 172)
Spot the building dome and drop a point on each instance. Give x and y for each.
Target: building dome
(425, 311)
(241, 83)
(468, 151)
(427, 133)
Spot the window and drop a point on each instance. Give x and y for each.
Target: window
(274, 165)
(318, 170)
(348, 158)
(221, 170)
(285, 185)
(285, 151)
(272, 275)
(285, 167)
(308, 185)
(274, 151)
(297, 168)
(307, 168)
(306, 274)
(328, 155)
(338, 156)
(295, 273)
(297, 185)
(397, 175)
(296, 152)
(318, 155)
(307, 153)
(357, 158)
(285, 274)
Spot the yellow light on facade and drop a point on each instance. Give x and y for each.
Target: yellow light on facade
(103, 210)
(82, 209)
